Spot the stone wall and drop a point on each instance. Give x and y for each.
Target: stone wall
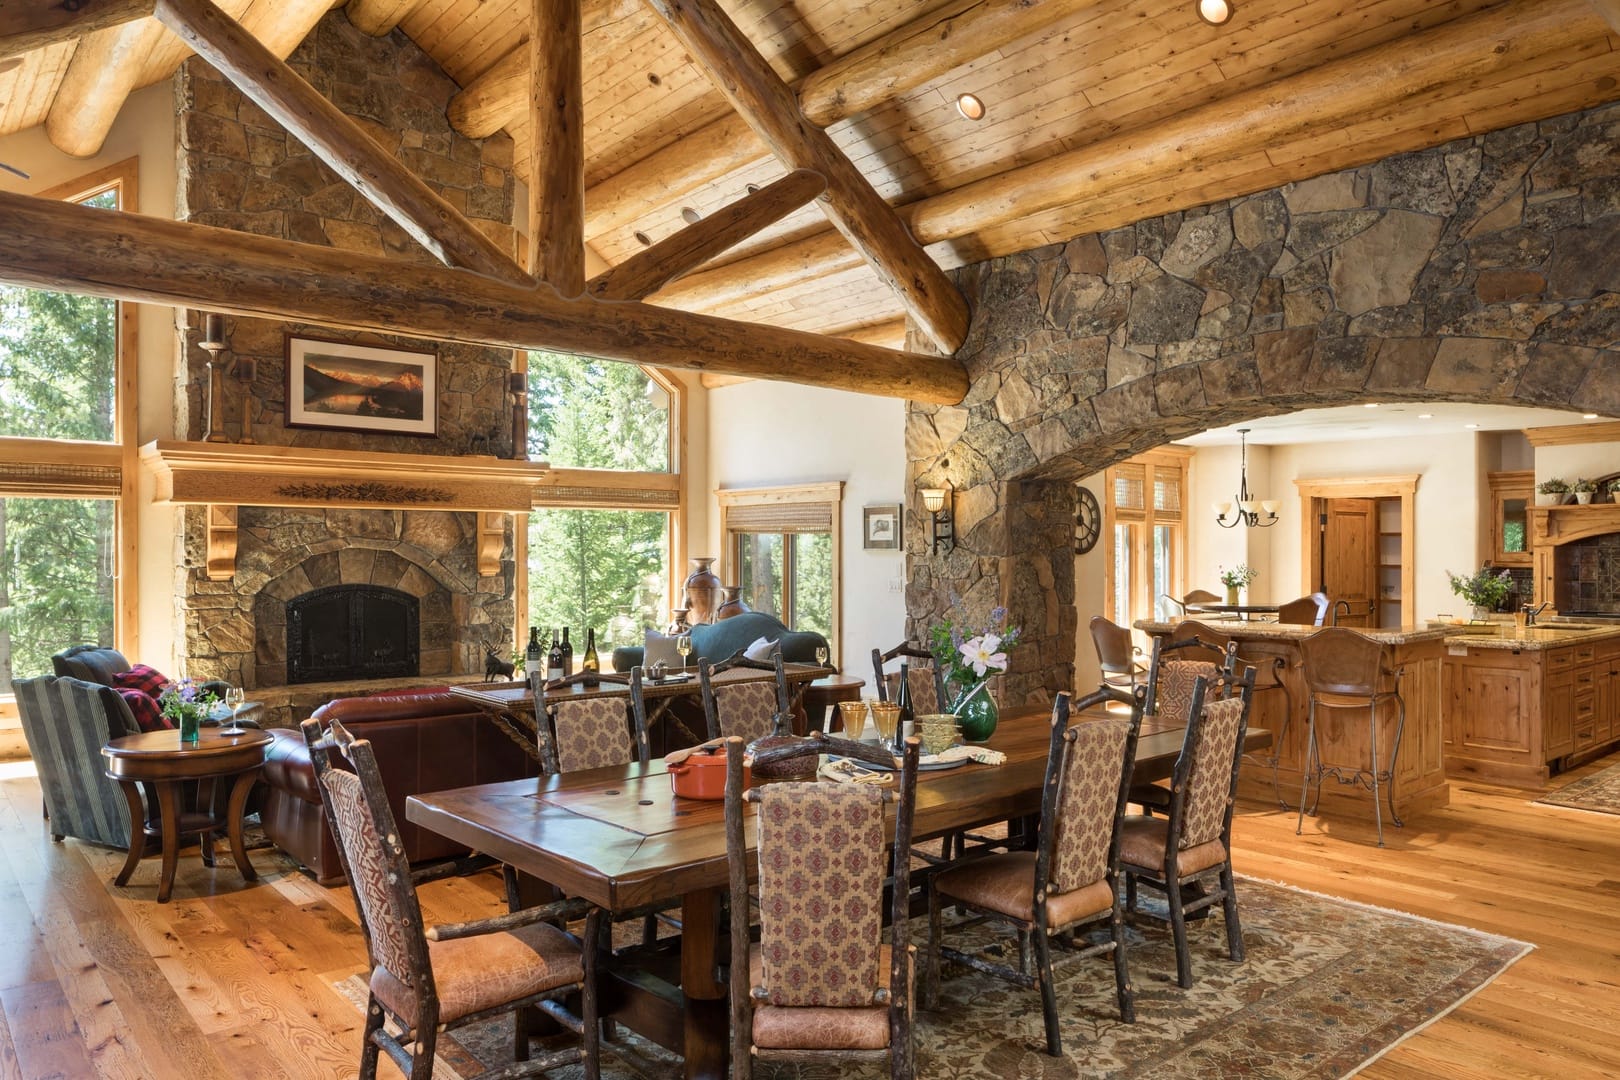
(240, 170)
(1484, 270)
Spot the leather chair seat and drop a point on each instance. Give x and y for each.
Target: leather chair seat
(475, 973)
(1005, 882)
(820, 1027)
(1142, 845)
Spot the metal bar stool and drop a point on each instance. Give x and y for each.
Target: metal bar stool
(1340, 663)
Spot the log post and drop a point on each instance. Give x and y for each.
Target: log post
(556, 146)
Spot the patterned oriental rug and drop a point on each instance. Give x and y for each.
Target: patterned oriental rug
(1329, 986)
(1599, 793)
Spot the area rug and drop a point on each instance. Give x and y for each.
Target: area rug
(1328, 986)
(1598, 793)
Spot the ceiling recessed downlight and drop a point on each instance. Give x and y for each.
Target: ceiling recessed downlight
(642, 238)
(1369, 405)
(1425, 416)
(1214, 12)
(1589, 416)
(970, 107)
(1470, 426)
(690, 216)
(10, 63)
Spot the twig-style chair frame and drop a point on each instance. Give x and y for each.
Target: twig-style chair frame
(906, 652)
(1165, 872)
(714, 694)
(1039, 925)
(398, 943)
(747, 998)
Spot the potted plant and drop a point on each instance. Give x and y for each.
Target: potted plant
(1614, 490)
(1584, 490)
(1552, 491)
(1237, 578)
(1484, 589)
(969, 658)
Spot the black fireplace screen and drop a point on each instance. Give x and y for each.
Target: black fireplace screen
(351, 632)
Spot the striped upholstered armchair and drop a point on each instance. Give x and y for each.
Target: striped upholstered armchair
(66, 721)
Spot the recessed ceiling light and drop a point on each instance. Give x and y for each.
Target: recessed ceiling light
(643, 239)
(1470, 426)
(690, 216)
(1369, 405)
(1588, 416)
(1425, 416)
(1214, 12)
(970, 106)
(752, 189)
(10, 63)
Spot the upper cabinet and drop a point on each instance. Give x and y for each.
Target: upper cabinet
(1511, 499)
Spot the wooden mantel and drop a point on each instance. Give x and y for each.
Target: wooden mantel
(1553, 526)
(223, 476)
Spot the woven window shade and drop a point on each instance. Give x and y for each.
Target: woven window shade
(1130, 487)
(38, 479)
(1166, 493)
(796, 517)
(606, 498)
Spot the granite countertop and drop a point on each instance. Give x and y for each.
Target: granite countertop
(1270, 631)
(1506, 635)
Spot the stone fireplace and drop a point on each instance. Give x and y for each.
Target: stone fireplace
(351, 632)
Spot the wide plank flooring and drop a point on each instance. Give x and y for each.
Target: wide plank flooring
(232, 980)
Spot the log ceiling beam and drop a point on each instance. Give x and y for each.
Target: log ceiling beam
(98, 80)
(336, 139)
(856, 209)
(1610, 10)
(556, 146)
(378, 17)
(46, 244)
(494, 99)
(644, 274)
(26, 25)
(890, 334)
(1336, 94)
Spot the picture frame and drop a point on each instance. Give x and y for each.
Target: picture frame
(345, 386)
(880, 527)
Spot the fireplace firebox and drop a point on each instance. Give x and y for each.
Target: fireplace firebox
(352, 632)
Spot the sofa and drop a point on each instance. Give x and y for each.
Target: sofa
(718, 640)
(425, 740)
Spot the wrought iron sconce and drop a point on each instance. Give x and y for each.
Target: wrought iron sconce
(213, 343)
(940, 504)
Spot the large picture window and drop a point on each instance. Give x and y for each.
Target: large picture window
(784, 545)
(1147, 535)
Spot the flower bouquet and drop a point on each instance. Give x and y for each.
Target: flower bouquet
(1484, 589)
(969, 657)
(1237, 578)
(187, 707)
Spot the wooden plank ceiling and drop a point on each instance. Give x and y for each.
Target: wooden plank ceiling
(1114, 70)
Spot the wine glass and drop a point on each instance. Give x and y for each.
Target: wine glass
(821, 655)
(683, 645)
(234, 698)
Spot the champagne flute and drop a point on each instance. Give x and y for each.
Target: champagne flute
(234, 698)
(683, 645)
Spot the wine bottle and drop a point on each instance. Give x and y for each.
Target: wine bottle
(902, 698)
(534, 657)
(589, 663)
(554, 659)
(567, 654)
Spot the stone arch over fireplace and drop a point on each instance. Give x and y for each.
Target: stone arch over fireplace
(1486, 270)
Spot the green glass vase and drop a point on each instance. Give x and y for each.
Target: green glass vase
(190, 725)
(976, 711)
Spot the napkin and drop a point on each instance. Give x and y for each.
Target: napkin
(844, 771)
(961, 752)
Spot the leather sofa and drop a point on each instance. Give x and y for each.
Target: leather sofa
(716, 641)
(424, 739)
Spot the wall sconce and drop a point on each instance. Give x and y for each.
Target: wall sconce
(937, 501)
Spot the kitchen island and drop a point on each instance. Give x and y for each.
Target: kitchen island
(1342, 735)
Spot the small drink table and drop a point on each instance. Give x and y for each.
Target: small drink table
(160, 759)
(824, 693)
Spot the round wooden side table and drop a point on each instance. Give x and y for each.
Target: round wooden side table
(824, 693)
(160, 759)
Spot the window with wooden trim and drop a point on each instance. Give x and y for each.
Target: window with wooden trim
(782, 547)
(67, 461)
(1146, 536)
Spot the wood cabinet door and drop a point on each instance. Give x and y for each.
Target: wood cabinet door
(1496, 709)
(1350, 558)
(1558, 715)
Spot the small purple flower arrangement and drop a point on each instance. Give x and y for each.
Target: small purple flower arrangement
(187, 707)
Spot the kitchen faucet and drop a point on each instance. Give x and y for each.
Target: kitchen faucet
(1530, 613)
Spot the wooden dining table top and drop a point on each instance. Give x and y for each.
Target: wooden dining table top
(518, 696)
(618, 837)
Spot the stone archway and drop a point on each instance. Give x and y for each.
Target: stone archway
(1485, 270)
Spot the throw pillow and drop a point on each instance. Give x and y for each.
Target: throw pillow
(659, 647)
(761, 649)
(148, 717)
(140, 677)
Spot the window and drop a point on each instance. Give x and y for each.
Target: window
(608, 524)
(67, 467)
(783, 544)
(1146, 535)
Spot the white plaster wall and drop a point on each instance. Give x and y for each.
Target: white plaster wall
(765, 433)
(1449, 492)
(144, 129)
(1590, 460)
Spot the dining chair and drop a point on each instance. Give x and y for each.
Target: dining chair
(1175, 853)
(926, 679)
(1117, 655)
(589, 731)
(1071, 878)
(820, 987)
(1306, 611)
(428, 980)
(749, 709)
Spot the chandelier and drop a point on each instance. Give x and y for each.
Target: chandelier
(1255, 513)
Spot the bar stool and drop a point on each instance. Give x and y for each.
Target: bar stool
(1340, 663)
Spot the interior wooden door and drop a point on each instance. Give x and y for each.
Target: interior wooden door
(1350, 559)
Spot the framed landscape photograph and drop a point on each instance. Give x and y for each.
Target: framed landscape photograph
(349, 387)
(880, 526)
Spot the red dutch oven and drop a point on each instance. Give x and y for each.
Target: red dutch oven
(700, 773)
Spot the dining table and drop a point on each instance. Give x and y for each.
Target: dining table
(1246, 612)
(619, 838)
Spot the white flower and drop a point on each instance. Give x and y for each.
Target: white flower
(980, 654)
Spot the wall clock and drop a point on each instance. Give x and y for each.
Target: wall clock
(1087, 522)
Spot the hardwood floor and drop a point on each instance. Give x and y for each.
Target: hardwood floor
(231, 980)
